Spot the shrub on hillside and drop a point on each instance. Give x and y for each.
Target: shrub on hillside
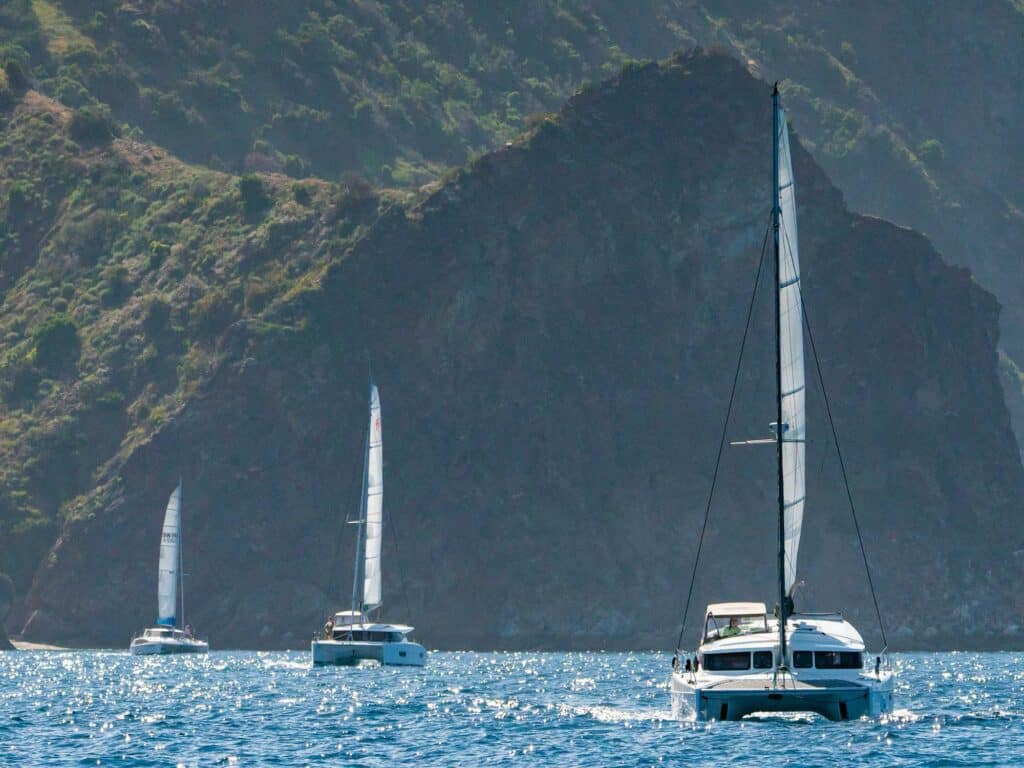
(57, 344)
(17, 80)
(92, 125)
(157, 314)
(212, 313)
(254, 195)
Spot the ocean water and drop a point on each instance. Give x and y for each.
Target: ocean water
(472, 709)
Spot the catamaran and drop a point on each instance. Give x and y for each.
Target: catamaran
(748, 660)
(350, 636)
(166, 637)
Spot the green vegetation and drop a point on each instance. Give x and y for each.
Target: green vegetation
(146, 149)
(123, 267)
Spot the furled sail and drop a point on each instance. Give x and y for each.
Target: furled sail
(170, 561)
(374, 505)
(791, 359)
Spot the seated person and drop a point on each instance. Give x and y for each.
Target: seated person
(733, 628)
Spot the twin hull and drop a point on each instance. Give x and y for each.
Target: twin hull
(736, 698)
(156, 648)
(350, 652)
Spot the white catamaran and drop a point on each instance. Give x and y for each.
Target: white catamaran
(166, 637)
(747, 659)
(351, 637)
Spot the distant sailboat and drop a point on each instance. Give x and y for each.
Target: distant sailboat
(748, 660)
(351, 637)
(166, 637)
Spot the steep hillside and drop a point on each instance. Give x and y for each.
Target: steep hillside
(122, 267)
(554, 331)
(912, 108)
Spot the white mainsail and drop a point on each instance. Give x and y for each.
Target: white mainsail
(374, 505)
(170, 561)
(791, 359)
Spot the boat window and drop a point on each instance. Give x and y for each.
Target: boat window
(763, 659)
(726, 662)
(802, 659)
(726, 626)
(838, 660)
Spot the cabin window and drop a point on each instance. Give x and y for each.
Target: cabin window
(726, 662)
(838, 660)
(763, 659)
(802, 659)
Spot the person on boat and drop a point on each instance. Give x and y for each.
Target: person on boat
(733, 628)
(188, 631)
(329, 627)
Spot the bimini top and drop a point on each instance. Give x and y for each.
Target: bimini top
(736, 609)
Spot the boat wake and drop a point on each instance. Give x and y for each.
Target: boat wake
(616, 714)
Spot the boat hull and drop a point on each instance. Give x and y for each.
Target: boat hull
(735, 699)
(154, 648)
(349, 653)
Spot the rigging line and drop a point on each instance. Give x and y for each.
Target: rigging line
(842, 463)
(332, 583)
(721, 443)
(401, 571)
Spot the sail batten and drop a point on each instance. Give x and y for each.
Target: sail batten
(170, 562)
(374, 518)
(791, 359)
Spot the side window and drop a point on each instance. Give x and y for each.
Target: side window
(726, 662)
(838, 660)
(802, 659)
(763, 659)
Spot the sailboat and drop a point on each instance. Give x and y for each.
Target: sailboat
(350, 636)
(748, 660)
(166, 637)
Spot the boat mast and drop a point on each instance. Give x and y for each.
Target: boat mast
(181, 570)
(362, 512)
(779, 427)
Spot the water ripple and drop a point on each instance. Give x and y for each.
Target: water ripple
(582, 709)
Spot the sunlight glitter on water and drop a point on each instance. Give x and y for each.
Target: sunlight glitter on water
(586, 709)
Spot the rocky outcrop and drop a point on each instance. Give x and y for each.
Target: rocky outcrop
(554, 332)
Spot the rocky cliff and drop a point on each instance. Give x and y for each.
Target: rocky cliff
(554, 331)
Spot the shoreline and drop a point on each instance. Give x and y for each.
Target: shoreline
(24, 645)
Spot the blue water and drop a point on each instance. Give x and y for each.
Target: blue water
(516, 709)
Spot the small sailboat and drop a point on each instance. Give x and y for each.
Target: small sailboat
(748, 660)
(351, 637)
(166, 637)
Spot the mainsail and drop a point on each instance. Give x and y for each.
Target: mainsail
(170, 561)
(791, 359)
(374, 505)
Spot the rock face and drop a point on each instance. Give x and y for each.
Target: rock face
(554, 333)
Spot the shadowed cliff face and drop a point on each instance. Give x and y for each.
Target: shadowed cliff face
(554, 333)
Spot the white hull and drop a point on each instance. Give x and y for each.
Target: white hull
(351, 652)
(823, 670)
(140, 647)
(736, 698)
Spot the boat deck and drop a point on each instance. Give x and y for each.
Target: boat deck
(790, 684)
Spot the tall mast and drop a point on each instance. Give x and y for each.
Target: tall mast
(362, 515)
(779, 428)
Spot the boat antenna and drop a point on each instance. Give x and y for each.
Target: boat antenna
(779, 427)
(721, 442)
